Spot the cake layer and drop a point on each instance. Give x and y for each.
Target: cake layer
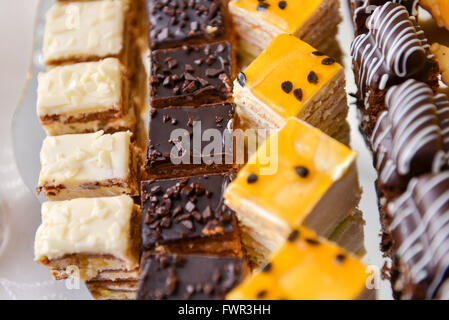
(191, 75)
(395, 49)
(88, 165)
(91, 234)
(188, 215)
(291, 78)
(259, 22)
(85, 31)
(420, 232)
(76, 98)
(411, 137)
(192, 277)
(177, 22)
(112, 290)
(307, 268)
(297, 176)
(173, 136)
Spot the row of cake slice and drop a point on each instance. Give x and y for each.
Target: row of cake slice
(88, 104)
(405, 122)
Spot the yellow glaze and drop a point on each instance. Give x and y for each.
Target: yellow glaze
(300, 270)
(439, 10)
(444, 10)
(290, 19)
(279, 191)
(287, 58)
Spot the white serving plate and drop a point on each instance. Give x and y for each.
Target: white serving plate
(22, 278)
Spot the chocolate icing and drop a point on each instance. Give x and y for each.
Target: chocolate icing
(191, 75)
(420, 229)
(164, 121)
(412, 136)
(176, 277)
(184, 209)
(173, 22)
(394, 48)
(362, 9)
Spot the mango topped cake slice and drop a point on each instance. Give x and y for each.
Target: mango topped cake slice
(259, 22)
(291, 78)
(307, 268)
(299, 175)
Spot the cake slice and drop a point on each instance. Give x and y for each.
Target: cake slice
(85, 97)
(173, 150)
(174, 23)
(421, 238)
(191, 75)
(188, 215)
(88, 165)
(298, 176)
(394, 50)
(257, 23)
(291, 78)
(88, 235)
(189, 277)
(411, 137)
(307, 268)
(86, 31)
(361, 10)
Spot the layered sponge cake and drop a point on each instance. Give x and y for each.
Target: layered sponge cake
(88, 165)
(298, 176)
(91, 234)
(291, 78)
(257, 23)
(85, 97)
(307, 268)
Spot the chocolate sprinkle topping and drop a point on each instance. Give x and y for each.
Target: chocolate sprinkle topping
(312, 77)
(261, 294)
(312, 242)
(267, 267)
(173, 213)
(176, 277)
(262, 6)
(340, 258)
(328, 61)
(287, 86)
(293, 236)
(173, 22)
(302, 171)
(252, 178)
(298, 94)
(241, 78)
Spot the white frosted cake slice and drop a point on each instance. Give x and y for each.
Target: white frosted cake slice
(85, 236)
(88, 165)
(86, 31)
(85, 97)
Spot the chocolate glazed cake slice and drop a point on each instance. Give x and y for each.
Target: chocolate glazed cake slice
(420, 228)
(393, 50)
(188, 215)
(171, 155)
(410, 139)
(362, 9)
